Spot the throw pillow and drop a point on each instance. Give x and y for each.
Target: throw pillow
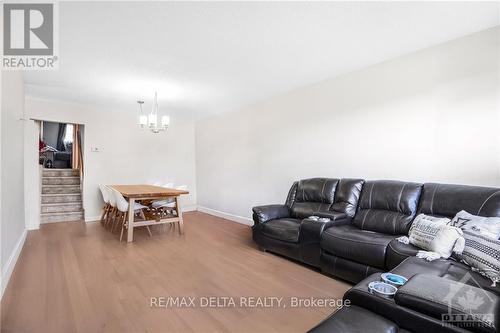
(436, 236)
(487, 226)
(482, 254)
(442, 220)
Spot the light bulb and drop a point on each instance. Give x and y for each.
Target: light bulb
(152, 120)
(165, 121)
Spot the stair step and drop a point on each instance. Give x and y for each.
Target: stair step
(62, 207)
(60, 172)
(61, 198)
(67, 180)
(60, 189)
(61, 217)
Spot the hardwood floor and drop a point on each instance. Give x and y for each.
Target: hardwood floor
(77, 277)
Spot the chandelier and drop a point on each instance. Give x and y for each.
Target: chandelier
(151, 120)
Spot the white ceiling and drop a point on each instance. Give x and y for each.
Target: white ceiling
(209, 57)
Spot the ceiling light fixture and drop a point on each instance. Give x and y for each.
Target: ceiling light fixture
(151, 120)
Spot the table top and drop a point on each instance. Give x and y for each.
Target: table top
(145, 191)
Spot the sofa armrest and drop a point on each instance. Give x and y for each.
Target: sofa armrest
(311, 230)
(262, 214)
(331, 215)
(310, 238)
(397, 252)
(457, 302)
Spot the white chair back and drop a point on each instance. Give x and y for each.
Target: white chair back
(182, 187)
(104, 193)
(121, 203)
(168, 185)
(111, 196)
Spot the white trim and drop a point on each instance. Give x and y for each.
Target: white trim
(227, 216)
(93, 219)
(192, 208)
(8, 268)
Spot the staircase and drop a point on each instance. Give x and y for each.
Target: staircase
(61, 196)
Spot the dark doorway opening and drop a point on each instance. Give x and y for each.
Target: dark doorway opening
(59, 145)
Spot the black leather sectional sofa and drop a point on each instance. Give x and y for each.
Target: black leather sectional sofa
(358, 243)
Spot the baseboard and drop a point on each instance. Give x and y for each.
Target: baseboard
(227, 216)
(8, 268)
(189, 208)
(93, 219)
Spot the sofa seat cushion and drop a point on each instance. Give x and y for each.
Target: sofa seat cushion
(346, 269)
(435, 296)
(287, 229)
(397, 252)
(350, 242)
(354, 319)
(446, 268)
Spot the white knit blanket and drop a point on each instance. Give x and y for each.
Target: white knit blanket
(427, 255)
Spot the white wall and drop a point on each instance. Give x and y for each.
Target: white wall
(432, 115)
(32, 181)
(128, 154)
(12, 225)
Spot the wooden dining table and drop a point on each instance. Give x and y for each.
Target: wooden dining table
(141, 192)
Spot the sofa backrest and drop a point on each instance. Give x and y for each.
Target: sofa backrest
(447, 200)
(347, 196)
(311, 195)
(290, 198)
(387, 206)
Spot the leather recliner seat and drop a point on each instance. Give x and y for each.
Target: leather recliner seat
(281, 229)
(385, 211)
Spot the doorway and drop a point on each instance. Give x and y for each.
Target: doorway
(60, 159)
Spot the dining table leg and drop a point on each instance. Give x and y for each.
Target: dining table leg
(130, 230)
(179, 214)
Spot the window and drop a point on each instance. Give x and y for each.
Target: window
(68, 137)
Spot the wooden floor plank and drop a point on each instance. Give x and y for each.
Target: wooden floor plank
(77, 277)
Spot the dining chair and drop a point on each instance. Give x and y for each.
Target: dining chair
(111, 216)
(168, 206)
(105, 198)
(149, 202)
(158, 203)
(122, 206)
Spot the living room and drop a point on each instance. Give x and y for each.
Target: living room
(252, 166)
